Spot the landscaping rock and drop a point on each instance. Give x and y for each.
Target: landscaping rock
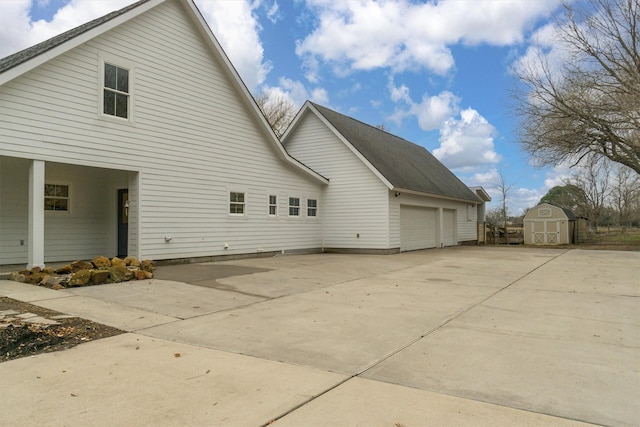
(81, 265)
(117, 262)
(120, 273)
(50, 280)
(17, 276)
(132, 261)
(142, 275)
(98, 277)
(146, 265)
(101, 262)
(80, 278)
(100, 270)
(65, 269)
(33, 278)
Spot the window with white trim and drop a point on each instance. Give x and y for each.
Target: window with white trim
(273, 205)
(115, 95)
(312, 207)
(236, 203)
(56, 197)
(294, 206)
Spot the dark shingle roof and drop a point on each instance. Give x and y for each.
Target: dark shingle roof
(18, 58)
(404, 164)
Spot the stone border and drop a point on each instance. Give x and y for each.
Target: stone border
(98, 271)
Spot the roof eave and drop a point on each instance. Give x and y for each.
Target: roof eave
(437, 196)
(250, 101)
(31, 63)
(309, 106)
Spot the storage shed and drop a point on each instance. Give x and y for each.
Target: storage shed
(547, 224)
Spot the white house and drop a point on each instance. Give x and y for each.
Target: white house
(386, 194)
(133, 134)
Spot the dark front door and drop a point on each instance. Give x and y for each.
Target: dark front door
(123, 222)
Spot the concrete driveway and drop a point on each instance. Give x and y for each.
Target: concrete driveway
(457, 336)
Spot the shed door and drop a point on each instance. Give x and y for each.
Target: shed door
(417, 228)
(545, 232)
(449, 227)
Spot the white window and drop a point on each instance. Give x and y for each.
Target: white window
(56, 197)
(312, 207)
(294, 206)
(115, 95)
(236, 203)
(273, 205)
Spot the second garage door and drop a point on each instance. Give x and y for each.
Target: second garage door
(417, 228)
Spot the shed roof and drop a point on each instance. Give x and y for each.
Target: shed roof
(570, 215)
(405, 165)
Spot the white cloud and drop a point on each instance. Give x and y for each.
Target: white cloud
(467, 142)
(404, 35)
(237, 29)
(431, 111)
(434, 111)
(273, 14)
(296, 92)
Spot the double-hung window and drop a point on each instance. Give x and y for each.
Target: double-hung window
(273, 205)
(116, 96)
(236, 203)
(294, 206)
(312, 207)
(56, 197)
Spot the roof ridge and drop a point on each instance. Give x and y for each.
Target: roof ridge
(402, 163)
(366, 124)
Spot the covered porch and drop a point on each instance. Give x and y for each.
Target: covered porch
(54, 212)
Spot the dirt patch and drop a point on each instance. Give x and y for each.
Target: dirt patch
(22, 333)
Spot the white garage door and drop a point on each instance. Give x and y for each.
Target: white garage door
(417, 228)
(449, 227)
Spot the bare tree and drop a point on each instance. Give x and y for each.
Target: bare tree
(504, 192)
(590, 104)
(625, 195)
(592, 178)
(278, 109)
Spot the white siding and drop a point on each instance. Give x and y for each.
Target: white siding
(355, 209)
(465, 217)
(193, 139)
(14, 188)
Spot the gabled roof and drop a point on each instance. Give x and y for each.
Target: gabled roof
(21, 62)
(18, 58)
(403, 164)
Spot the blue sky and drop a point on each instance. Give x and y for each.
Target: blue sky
(435, 73)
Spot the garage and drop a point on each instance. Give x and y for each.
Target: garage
(449, 227)
(418, 228)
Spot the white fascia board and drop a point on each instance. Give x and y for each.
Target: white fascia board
(480, 192)
(357, 153)
(44, 57)
(219, 52)
(435, 196)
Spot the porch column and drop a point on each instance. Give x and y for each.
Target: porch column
(36, 215)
